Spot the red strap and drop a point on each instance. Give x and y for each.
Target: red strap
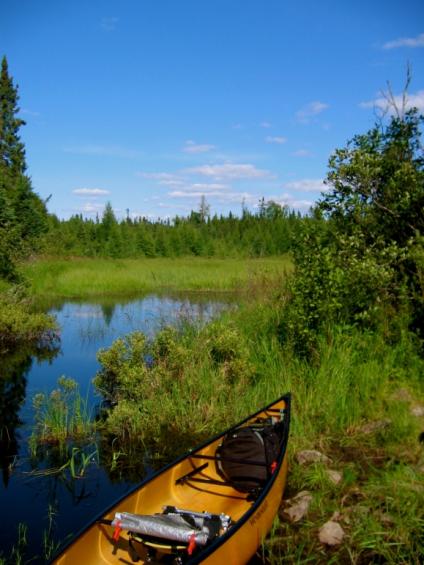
(117, 531)
(273, 466)
(191, 544)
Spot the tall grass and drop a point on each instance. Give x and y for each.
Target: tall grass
(101, 277)
(61, 416)
(208, 378)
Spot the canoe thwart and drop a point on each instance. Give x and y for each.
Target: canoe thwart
(191, 474)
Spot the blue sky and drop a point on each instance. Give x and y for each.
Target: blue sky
(151, 103)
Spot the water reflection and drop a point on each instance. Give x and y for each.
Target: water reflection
(85, 328)
(14, 368)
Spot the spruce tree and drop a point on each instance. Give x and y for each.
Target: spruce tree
(22, 213)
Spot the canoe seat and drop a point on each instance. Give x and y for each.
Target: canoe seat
(173, 531)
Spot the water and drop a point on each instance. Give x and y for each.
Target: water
(52, 506)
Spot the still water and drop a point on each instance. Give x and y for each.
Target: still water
(50, 505)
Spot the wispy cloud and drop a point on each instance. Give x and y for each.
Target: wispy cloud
(275, 139)
(105, 151)
(305, 114)
(90, 208)
(306, 185)
(230, 171)
(109, 24)
(294, 203)
(91, 191)
(27, 112)
(302, 153)
(412, 101)
(166, 179)
(265, 125)
(405, 42)
(193, 147)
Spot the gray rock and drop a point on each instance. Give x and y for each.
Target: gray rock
(297, 507)
(334, 476)
(311, 456)
(372, 427)
(331, 533)
(417, 410)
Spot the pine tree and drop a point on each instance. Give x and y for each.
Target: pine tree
(22, 213)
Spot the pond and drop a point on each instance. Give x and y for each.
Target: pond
(50, 506)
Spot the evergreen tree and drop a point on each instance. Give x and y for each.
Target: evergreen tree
(23, 215)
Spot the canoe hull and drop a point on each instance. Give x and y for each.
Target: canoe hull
(252, 520)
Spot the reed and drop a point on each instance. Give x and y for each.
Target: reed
(102, 277)
(61, 416)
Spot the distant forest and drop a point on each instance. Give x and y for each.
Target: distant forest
(269, 231)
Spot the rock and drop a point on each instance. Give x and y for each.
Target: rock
(376, 426)
(331, 533)
(402, 394)
(417, 410)
(297, 507)
(311, 456)
(334, 476)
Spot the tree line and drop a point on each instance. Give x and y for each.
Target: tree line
(269, 231)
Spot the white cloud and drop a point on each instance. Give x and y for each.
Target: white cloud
(192, 147)
(208, 186)
(265, 125)
(405, 42)
(219, 197)
(275, 139)
(105, 151)
(294, 203)
(306, 185)
(166, 179)
(302, 153)
(90, 208)
(192, 193)
(412, 101)
(108, 24)
(91, 191)
(305, 114)
(230, 171)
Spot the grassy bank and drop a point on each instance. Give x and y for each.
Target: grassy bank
(359, 404)
(76, 278)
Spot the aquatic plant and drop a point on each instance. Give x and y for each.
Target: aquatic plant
(60, 416)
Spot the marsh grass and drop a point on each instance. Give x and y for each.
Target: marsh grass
(204, 379)
(106, 277)
(61, 416)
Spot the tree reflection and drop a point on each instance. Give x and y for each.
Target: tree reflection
(14, 368)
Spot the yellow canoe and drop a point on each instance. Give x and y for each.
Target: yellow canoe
(194, 483)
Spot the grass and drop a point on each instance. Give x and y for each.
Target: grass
(78, 278)
(206, 379)
(61, 416)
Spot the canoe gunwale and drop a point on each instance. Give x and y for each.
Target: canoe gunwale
(210, 548)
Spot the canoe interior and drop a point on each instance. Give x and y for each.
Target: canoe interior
(96, 546)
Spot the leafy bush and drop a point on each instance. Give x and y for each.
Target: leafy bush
(18, 324)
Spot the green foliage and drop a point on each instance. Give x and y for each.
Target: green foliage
(359, 261)
(19, 325)
(60, 416)
(22, 213)
(178, 370)
(269, 232)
